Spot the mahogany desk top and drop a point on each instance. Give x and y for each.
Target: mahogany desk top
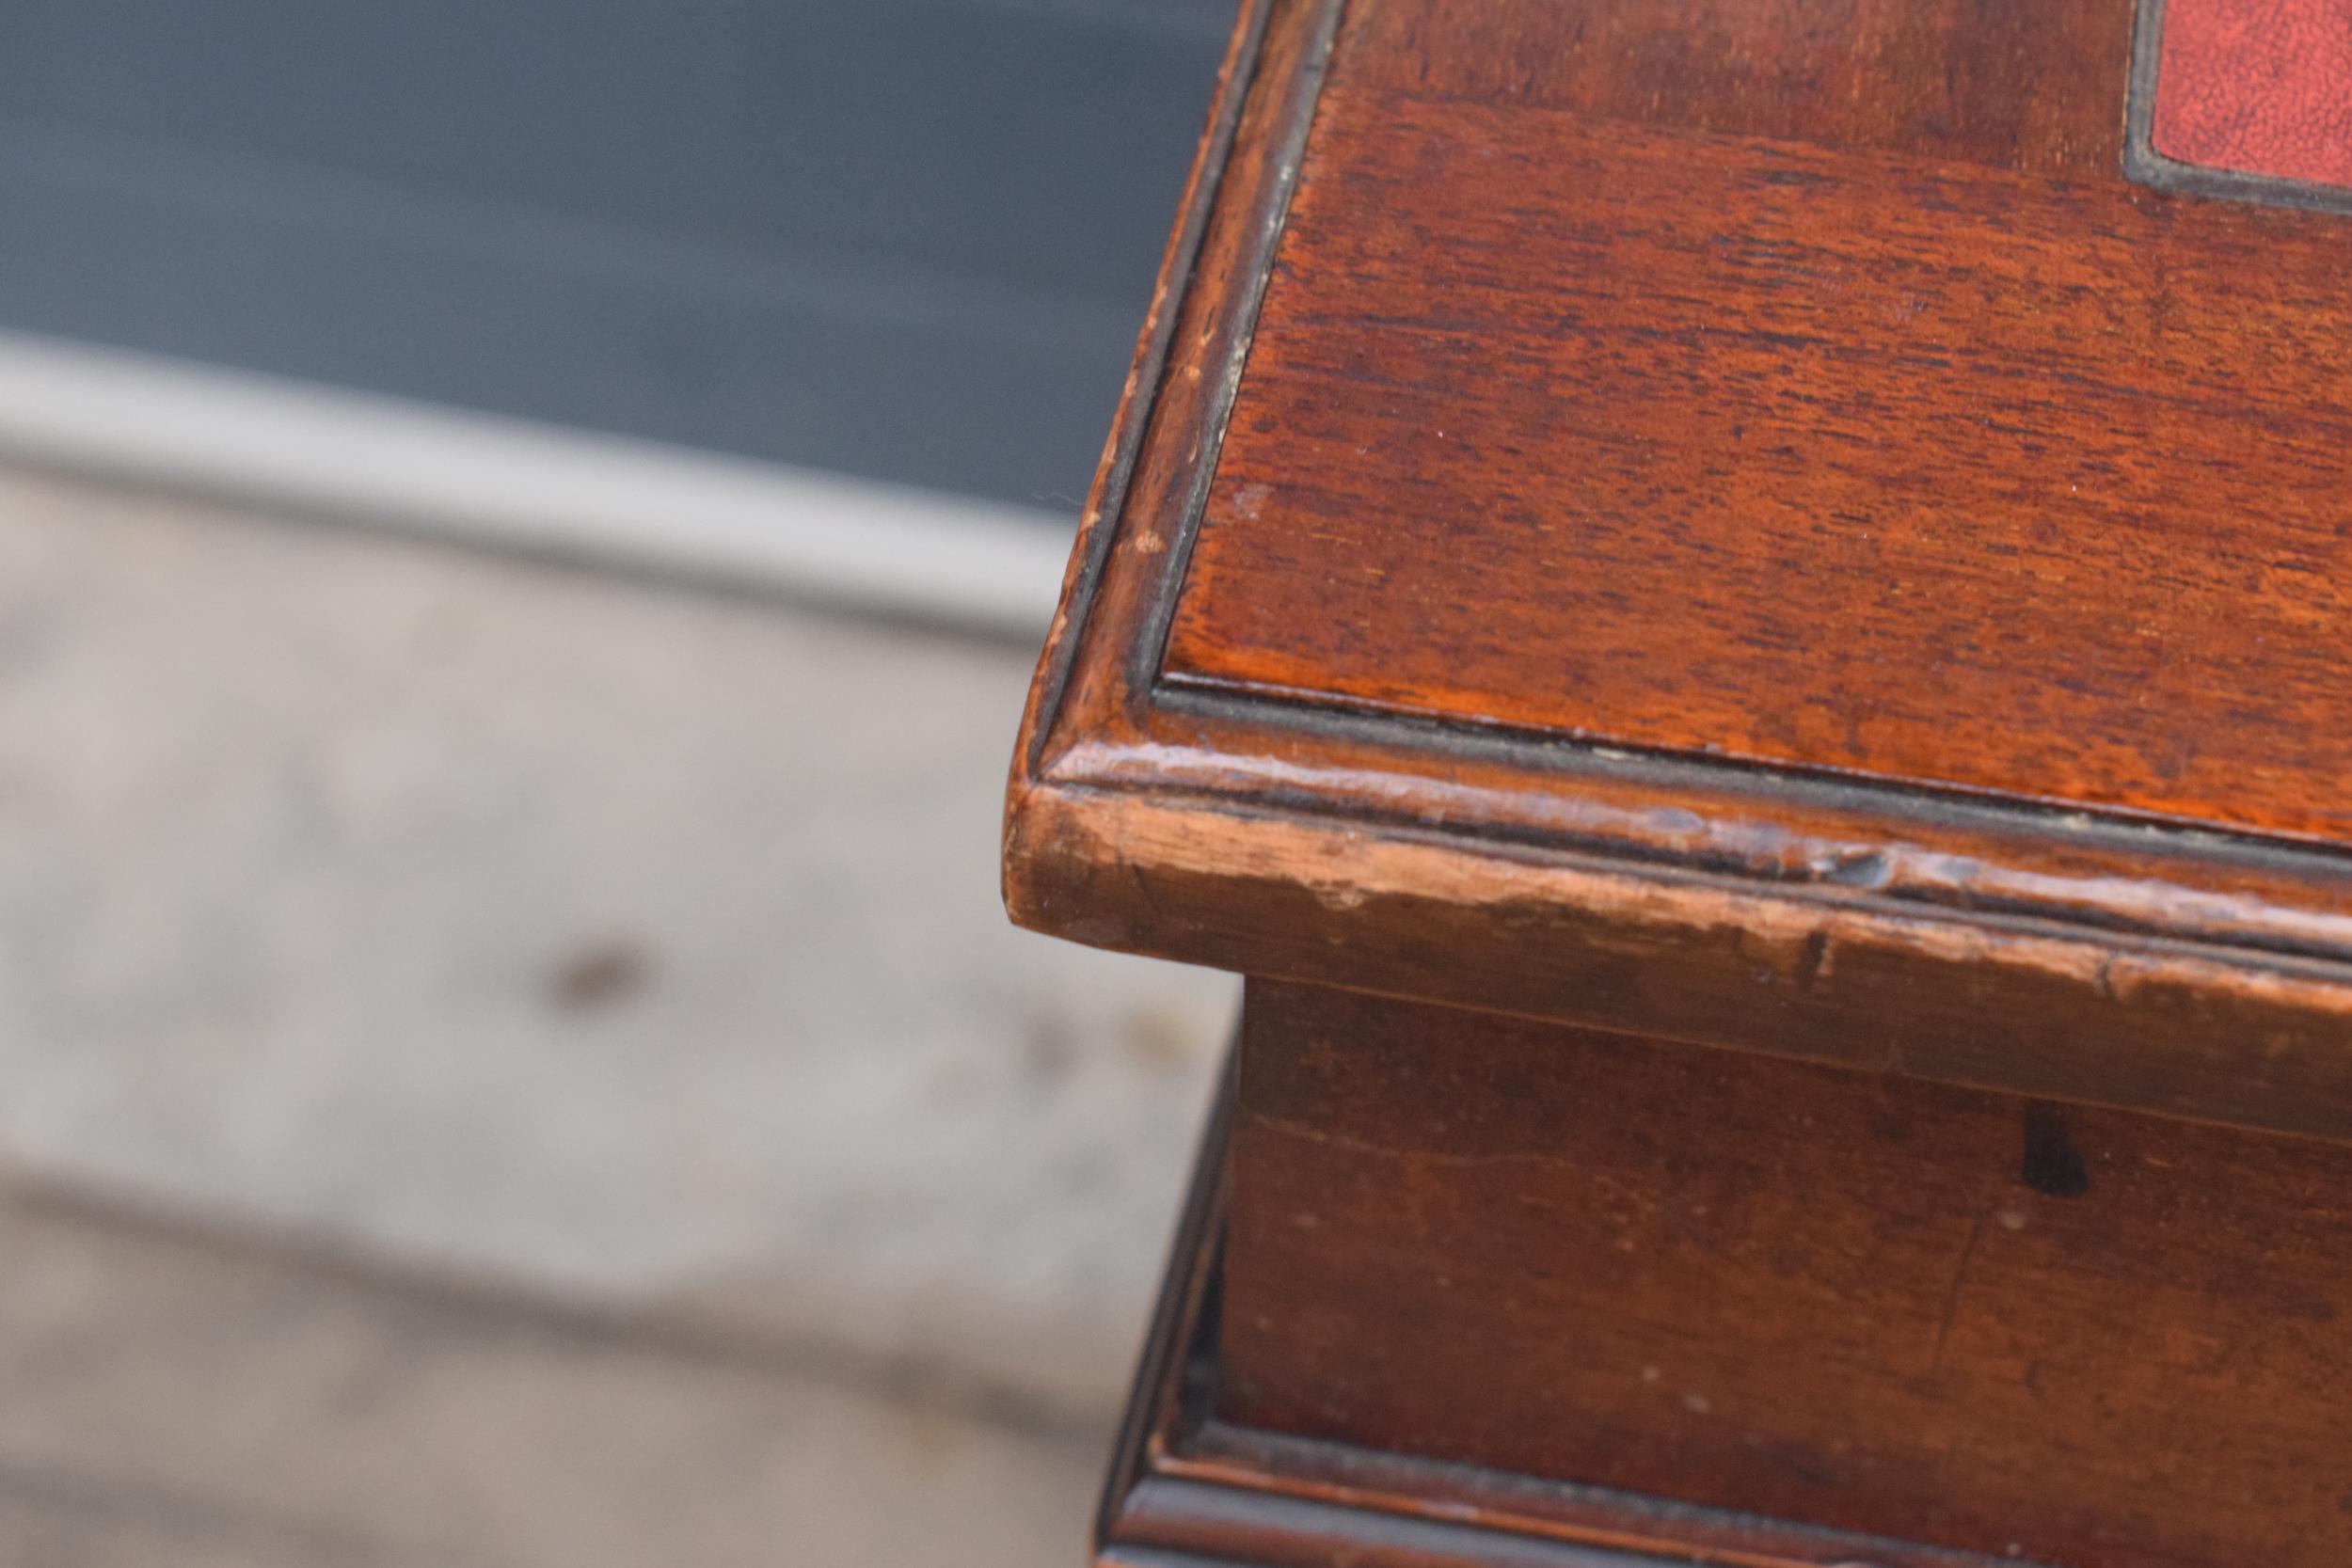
(1815, 526)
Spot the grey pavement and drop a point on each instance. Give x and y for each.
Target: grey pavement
(603, 946)
(166, 1399)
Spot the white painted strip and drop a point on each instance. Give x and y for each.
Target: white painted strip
(326, 451)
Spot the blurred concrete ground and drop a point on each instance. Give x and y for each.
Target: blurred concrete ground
(508, 1065)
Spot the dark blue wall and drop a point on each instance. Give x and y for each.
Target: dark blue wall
(907, 239)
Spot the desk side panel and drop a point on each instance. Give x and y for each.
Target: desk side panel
(1965, 1319)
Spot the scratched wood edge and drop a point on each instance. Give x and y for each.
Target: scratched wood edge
(1113, 799)
(1905, 846)
(1107, 496)
(1181, 386)
(1186, 1490)
(2144, 165)
(2020, 1005)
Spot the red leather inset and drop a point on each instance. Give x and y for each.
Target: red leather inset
(2261, 87)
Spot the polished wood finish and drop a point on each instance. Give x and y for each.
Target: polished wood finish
(1742, 632)
(1196, 1486)
(2011, 84)
(1918, 471)
(1749, 675)
(2093, 1337)
(1191, 1487)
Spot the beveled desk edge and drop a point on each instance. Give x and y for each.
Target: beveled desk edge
(2028, 945)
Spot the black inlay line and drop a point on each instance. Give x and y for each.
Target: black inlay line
(1928, 801)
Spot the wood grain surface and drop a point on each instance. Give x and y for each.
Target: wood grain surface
(1734, 522)
(1743, 449)
(1968, 1319)
(1674, 524)
(2011, 83)
(1190, 1490)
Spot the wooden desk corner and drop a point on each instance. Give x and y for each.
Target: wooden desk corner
(1738, 615)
